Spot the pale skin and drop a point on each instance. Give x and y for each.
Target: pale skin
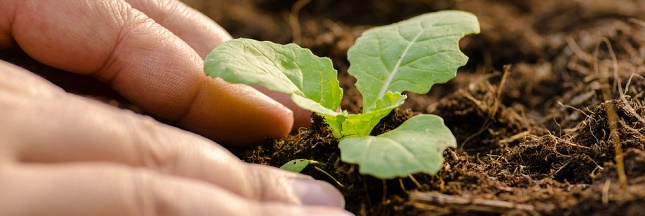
(62, 154)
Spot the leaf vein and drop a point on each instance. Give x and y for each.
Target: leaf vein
(396, 68)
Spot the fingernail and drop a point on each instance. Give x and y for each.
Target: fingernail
(326, 212)
(317, 193)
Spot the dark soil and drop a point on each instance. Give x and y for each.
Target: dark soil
(537, 142)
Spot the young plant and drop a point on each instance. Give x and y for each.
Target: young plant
(298, 165)
(411, 55)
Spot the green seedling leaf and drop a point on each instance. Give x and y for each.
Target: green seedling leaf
(362, 124)
(415, 146)
(357, 125)
(310, 80)
(298, 165)
(411, 55)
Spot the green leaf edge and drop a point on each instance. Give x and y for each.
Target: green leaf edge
(469, 22)
(347, 144)
(362, 124)
(212, 68)
(297, 165)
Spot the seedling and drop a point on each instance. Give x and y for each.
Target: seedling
(411, 55)
(298, 165)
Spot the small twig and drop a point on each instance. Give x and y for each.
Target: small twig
(577, 50)
(498, 92)
(332, 178)
(612, 115)
(629, 81)
(294, 22)
(479, 103)
(461, 204)
(637, 22)
(415, 181)
(605, 193)
(402, 185)
(493, 111)
(479, 160)
(560, 169)
(384, 197)
(624, 99)
(453, 155)
(574, 145)
(595, 170)
(515, 137)
(574, 108)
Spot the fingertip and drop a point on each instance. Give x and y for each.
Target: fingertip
(270, 209)
(280, 119)
(326, 212)
(301, 117)
(266, 117)
(317, 193)
(236, 115)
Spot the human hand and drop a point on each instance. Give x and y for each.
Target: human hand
(151, 52)
(62, 154)
(66, 155)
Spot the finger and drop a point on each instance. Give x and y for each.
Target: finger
(301, 117)
(16, 80)
(193, 27)
(71, 128)
(144, 62)
(104, 189)
(203, 35)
